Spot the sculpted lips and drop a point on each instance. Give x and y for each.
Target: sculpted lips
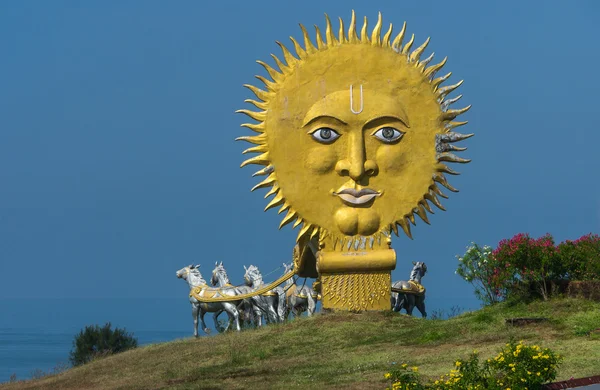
(357, 197)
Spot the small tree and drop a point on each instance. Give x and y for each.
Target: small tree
(580, 259)
(95, 341)
(480, 268)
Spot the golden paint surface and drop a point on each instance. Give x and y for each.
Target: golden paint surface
(395, 95)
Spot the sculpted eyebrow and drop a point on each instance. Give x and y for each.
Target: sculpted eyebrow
(387, 118)
(323, 117)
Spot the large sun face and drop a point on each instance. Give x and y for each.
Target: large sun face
(354, 133)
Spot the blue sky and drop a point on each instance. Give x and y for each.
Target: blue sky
(118, 164)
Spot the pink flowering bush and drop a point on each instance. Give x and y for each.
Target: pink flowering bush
(522, 265)
(580, 258)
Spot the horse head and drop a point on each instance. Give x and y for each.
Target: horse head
(252, 275)
(218, 271)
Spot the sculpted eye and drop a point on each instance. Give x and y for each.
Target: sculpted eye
(388, 135)
(325, 135)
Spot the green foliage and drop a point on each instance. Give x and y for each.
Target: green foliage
(526, 268)
(580, 258)
(402, 377)
(490, 278)
(516, 366)
(519, 365)
(95, 341)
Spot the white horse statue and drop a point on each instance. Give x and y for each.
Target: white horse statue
(191, 274)
(299, 299)
(413, 292)
(246, 310)
(269, 302)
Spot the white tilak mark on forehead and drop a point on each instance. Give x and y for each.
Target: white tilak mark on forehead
(352, 100)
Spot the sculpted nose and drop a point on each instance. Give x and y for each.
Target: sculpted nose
(356, 165)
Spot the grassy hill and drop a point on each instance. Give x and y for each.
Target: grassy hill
(340, 350)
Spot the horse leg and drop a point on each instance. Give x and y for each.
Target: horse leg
(281, 306)
(400, 302)
(234, 315)
(410, 304)
(421, 306)
(216, 321)
(195, 309)
(204, 327)
(311, 305)
(272, 312)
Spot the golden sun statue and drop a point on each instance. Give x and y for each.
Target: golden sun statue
(354, 134)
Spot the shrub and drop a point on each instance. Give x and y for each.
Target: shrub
(490, 278)
(533, 262)
(517, 366)
(520, 365)
(95, 341)
(580, 258)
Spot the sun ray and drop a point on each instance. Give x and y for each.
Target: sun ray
(284, 207)
(259, 105)
(411, 218)
(443, 92)
(376, 34)
(446, 169)
(446, 156)
(275, 75)
(408, 45)
(416, 54)
(430, 196)
(440, 178)
(265, 171)
(329, 36)
(259, 93)
(290, 60)
(276, 201)
(283, 67)
(256, 127)
(306, 228)
(426, 205)
(447, 103)
(257, 149)
(405, 227)
(451, 114)
(289, 218)
(420, 210)
(253, 139)
(387, 37)
(433, 69)
(263, 159)
(298, 222)
(436, 82)
(269, 181)
(437, 191)
(397, 43)
(352, 37)
(257, 116)
(426, 61)
(342, 37)
(300, 52)
(320, 44)
(364, 37)
(308, 45)
(269, 84)
(394, 229)
(272, 191)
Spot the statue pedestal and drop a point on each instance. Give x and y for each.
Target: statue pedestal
(356, 280)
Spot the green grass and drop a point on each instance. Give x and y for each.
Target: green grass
(341, 350)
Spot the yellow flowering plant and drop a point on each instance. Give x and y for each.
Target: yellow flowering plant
(519, 365)
(403, 377)
(516, 366)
